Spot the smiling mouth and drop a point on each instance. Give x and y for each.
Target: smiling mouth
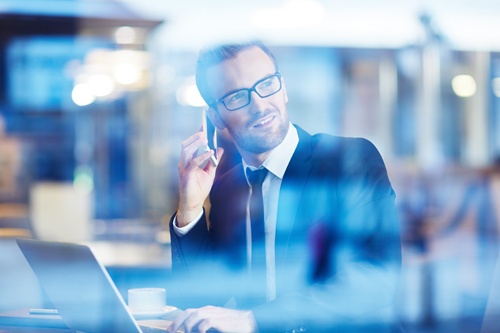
(264, 121)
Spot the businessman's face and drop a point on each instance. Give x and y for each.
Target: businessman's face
(260, 126)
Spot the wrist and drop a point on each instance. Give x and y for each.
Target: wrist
(185, 217)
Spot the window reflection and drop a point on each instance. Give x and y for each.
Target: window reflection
(105, 114)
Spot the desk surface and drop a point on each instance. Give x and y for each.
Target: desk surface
(21, 321)
(130, 254)
(14, 329)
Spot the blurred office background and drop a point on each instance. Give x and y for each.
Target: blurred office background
(96, 97)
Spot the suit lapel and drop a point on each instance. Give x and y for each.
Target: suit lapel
(228, 214)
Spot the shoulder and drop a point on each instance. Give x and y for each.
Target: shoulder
(342, 144)
(354, 163)
(336, 155)
(345, 150)
(322, 143)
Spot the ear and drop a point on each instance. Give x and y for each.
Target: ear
(215, 118)
(285, 95)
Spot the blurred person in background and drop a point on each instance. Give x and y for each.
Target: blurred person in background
(10, 164)
(327, 253)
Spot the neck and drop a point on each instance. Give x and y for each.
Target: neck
(254, 160)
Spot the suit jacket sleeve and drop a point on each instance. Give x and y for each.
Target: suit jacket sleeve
(190, 249)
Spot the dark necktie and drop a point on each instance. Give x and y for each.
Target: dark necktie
(258, 263)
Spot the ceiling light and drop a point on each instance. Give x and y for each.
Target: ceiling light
(464, 85)
(82, 94)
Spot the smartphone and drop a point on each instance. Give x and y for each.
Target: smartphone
(209, 130)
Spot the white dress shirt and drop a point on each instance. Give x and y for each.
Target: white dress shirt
(276, 163)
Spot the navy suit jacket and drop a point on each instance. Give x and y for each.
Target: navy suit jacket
(337, 239)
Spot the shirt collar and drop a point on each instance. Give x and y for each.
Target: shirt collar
(278, 159)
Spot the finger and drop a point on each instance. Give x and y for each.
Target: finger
(190, 148)
(206, 325)
(211, 167)
(203, 319)
(192, 322)
(196, 149)
(191, 139)
(198, 161)
(179, 321)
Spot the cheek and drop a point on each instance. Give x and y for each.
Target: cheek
(285, 95)
(234, 122)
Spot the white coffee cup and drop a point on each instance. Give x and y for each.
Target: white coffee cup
(147, 299)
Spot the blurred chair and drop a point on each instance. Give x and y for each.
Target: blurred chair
(491, 320)
(14, 220)
(59, 212)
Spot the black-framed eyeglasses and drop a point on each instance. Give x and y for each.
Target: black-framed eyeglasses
(238, 99)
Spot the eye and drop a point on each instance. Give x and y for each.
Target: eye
(268, 83)
(235, 97)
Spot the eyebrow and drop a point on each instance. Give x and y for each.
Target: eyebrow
(246, 88)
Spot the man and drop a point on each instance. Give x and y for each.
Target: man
(330, 247)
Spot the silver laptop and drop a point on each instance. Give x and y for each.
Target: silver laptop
(79, 287)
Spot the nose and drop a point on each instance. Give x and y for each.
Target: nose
(257, 103)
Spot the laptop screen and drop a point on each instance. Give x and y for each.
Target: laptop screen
(79, 287)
